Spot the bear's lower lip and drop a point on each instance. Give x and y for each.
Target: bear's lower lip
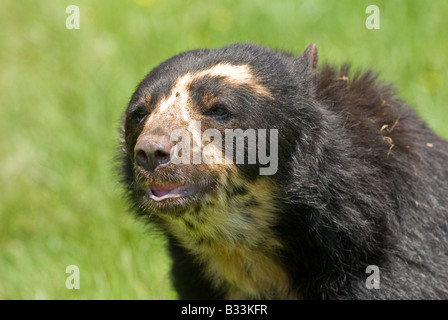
(159, 192)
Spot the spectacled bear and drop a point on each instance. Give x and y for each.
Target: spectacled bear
(359, 180)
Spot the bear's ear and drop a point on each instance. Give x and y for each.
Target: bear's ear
(309, 58)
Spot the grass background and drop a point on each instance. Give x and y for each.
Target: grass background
(62, 93)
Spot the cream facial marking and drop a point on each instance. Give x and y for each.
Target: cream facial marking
(236, 75)
(178, 102)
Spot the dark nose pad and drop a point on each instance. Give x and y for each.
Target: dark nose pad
(152, 151)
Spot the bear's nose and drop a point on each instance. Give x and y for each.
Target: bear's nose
(152, 151)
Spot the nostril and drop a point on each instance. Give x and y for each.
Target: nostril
(141, 159)
(162, 156)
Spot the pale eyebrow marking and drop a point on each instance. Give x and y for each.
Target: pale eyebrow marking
(236, 75)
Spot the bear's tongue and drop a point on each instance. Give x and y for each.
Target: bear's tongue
(162, 192)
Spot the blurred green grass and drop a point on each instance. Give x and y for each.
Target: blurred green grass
(62, 93)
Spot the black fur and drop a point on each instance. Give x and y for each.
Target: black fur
(361, 179)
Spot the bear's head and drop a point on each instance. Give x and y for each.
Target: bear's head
(216, 129)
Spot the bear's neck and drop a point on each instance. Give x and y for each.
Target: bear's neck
(233, 239)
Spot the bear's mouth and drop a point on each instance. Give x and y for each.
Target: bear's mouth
(172, 190)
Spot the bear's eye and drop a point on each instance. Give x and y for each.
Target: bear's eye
(139, 114)
(219, 112)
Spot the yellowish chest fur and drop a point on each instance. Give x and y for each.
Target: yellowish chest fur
(232, 238)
